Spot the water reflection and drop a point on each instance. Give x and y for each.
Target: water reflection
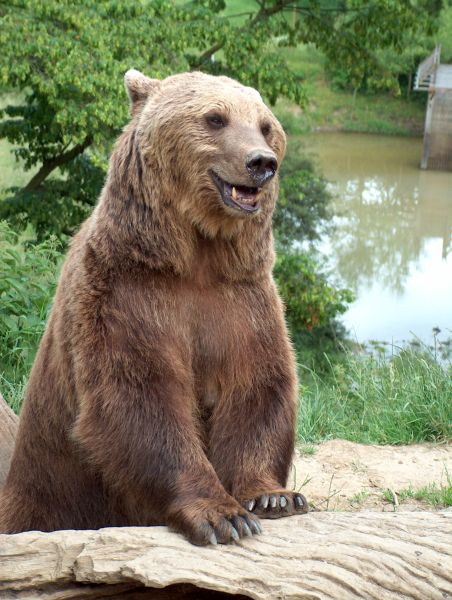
(392, 242)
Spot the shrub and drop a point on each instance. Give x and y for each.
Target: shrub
(28, 275)
(302, 211)
(311, 300)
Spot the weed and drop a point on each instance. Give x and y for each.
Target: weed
(391, 497)
(388, 496)
(325, 503)
(437, 495)
(13, 392)
(307, 450)
(359, 498)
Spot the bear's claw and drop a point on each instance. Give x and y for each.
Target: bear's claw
(233, 529)
(264, 500)
(278, 504)
(208, 521)
(249, 505)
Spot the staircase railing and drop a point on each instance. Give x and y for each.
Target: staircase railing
(426, 72)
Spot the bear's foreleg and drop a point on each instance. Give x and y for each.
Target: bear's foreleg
(252, 441)
(136, 426)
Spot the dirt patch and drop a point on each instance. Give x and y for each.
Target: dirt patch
(341, 475)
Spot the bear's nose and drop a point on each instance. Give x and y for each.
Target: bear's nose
(261, 165)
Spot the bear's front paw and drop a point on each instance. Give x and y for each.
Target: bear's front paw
(276, 504)
(207, 521)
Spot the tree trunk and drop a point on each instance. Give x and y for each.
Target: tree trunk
(9, 423)
(319, 556)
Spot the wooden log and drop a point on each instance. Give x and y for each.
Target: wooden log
(325, 555)
(9, 422)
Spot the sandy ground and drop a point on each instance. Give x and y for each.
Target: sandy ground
(341, 475)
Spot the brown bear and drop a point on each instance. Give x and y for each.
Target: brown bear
(164, 389)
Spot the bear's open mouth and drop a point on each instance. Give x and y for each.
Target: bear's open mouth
(239, 197)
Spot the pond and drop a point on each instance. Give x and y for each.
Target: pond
(392, 242)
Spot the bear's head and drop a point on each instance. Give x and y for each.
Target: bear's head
(210, 146)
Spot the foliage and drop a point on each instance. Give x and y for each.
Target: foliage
(444, 36)
(67, 59)
(302, 210)
(62, 204)
(27, 284)
(378, 400)
(395, 64)
(311, 300)
(353, 30)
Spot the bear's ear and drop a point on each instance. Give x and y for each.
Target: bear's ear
(139, 88)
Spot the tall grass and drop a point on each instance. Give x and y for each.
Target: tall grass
(368, 399)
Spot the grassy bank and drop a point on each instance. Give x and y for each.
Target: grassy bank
(361, 398)
(330, 109)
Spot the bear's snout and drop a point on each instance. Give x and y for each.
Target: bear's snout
(261, 166)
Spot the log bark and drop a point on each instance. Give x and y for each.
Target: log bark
(325, 555)
(9, 422)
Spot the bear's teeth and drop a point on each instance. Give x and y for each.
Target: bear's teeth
(234, 193)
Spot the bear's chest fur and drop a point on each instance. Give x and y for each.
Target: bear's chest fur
(212, 329)
(224, 324)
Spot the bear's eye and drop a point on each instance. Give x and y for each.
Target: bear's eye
(216, 121)
(266, 129)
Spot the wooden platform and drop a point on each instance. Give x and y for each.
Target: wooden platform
(444, 77)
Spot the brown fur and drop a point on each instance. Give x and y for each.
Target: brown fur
(164, 388)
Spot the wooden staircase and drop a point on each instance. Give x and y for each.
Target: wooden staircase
(436, 79)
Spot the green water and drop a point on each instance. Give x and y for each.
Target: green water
(392, 242)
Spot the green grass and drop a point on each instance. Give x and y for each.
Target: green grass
(371, 400)
(359, 498)
(307, 450)
(13, 391)
(438, 496)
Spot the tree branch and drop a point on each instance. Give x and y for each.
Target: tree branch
(51, 164)
(261, 14)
